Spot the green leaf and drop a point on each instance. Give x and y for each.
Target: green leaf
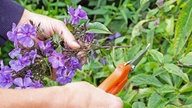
(186, 88)
(157, 56)
(166, 89)
(138, 105)
(170, 25)
(187, 106)
(173, 69)
(138, 29)
(145, 92)
(126, 105)
(142, 79)
(97, 27)
(151, 13)
(187, 60)
(124, 15)
(119, 40)
(183, 28)
(155, 101)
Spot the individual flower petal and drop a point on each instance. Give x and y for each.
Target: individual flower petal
(15, 52)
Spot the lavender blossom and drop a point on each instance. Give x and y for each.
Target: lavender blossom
(25, 83)
(77, 14)
(12, 35)
(16, 65)
(15, 53)
(75, 63)
(29, 74)
(33, 55)
(6, 80)
(156, 22)
(56, 59)
(37, 84)
(64, 75)
(4, 69)
(111, 37)
(46, 47)
(89, 37)
(27, 31)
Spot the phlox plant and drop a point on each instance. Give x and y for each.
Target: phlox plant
(30, 62)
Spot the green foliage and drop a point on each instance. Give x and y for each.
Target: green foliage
(163, 77)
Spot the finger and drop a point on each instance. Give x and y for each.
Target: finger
(67, 36)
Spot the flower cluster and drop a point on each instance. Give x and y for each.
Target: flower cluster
(30, 63)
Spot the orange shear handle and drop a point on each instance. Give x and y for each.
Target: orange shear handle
(116, 81)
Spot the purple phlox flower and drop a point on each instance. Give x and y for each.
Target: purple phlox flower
(29, 73)
(156, 22)
(75, 63)
(45, 47)
(25, 59)
(64, 75)
(25, 83)
(89, 37)
(37, 84)
(116, 35)
(33, 55)
(56, 59)
(15, 53)
(4, 69)
(27, 32)
(77, 14)
(16, 65)
(103, 61)
(12, 35)
(6, 80)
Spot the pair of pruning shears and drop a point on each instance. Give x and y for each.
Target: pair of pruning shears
(116, 81)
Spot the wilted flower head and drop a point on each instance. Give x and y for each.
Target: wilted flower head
(77, 14)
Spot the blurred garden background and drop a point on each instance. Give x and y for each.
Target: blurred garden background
(163, 78)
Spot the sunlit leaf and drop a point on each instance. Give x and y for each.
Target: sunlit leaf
(142, 79)
(138, 29)
(186, 88)
(187, 60)
(138, 105)
(173, 69)
(98, 27)
(155, 101)
(157, 56)
(183, 28)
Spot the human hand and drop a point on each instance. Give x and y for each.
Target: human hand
(72, 95)
(49, 27)
(82, 95)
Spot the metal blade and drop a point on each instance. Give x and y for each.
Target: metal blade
(138, 57)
